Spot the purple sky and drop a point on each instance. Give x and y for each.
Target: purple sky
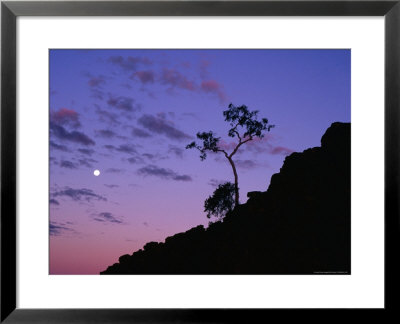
(130, 114)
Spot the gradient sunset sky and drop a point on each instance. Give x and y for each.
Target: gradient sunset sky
(130, 114)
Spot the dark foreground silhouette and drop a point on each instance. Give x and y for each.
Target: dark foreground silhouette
(300, 225)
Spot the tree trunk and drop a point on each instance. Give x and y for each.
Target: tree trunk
(236, 182)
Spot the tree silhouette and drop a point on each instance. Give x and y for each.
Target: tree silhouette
(221, 202)
(244, 125)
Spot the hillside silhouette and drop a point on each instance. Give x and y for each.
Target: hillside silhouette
(300, 225)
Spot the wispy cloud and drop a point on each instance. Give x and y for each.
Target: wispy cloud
(160, 125)
(114, 170)
(177, 151)
(123, 103)
(123, 148)
(246, 164)
(86, 162)
(151, 157)
(78, 194)
(107, 117)
(59, 147)
(58, 229)
(105, 133)
(68, 165)
(86, 151)
(174, 79)
(167, 174)
(134, 160)
(266, 145)
(106, 217)
(53, 201)
(61, 133)
(137, 132)
(126, 148)
(111, 186)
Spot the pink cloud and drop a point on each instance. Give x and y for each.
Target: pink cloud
(281, 150)
(262, 145)
(227, 146)
(65, 116)
(213, 87)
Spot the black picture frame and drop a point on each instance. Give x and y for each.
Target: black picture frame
(10, 10)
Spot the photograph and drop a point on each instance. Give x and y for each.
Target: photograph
(199, 161)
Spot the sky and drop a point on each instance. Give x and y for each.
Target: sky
(130, 115)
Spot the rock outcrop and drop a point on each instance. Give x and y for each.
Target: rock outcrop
(300, 225)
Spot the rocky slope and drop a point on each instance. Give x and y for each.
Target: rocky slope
(300, 225)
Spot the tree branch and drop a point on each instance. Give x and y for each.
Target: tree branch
(238, 135)
(223, 151)
(202, 150)
(239, 145)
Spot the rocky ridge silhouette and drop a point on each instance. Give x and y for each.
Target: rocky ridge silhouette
(300, 225)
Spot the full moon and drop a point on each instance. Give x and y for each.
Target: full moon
(96, 173)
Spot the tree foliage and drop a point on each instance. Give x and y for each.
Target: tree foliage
(221, 202)
(241, 116)
(244, 125)
(210, 143)
(238, 117)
